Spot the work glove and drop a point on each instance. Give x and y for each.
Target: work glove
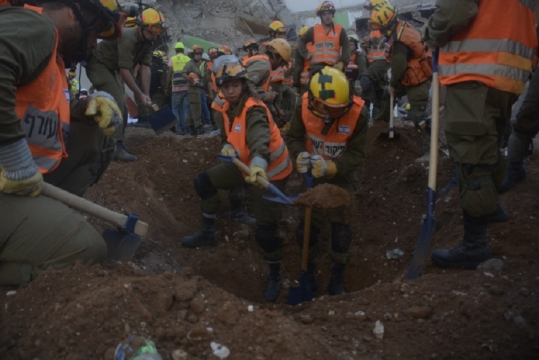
(339, 66)
(102, 107)
(19, 174)
(258, 168)
(303, 162)
(228, 150)
(321, 167)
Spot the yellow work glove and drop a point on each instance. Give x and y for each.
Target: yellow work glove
(339, 66)
(105, 111)
(255, 171)
(228, 150)
(27, 187)
(303, 162)
(321, 167)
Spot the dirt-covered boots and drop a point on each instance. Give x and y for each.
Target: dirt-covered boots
(336, 286)
(236, 211)
(121, 153)
(274, 282)
(472, 251)
(205, 237)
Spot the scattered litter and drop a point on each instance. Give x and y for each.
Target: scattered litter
(395, 253)
(185, 161)
(331, 312)
(219, 350)
(250, 308)
(488, 274)
(378, 330)
(360, 313)
(11, 293)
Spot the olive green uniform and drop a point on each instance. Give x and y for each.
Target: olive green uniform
(195, 102)
(259, 72)
(346, 176)
(36, 233)
(159, 84)
(362, 63)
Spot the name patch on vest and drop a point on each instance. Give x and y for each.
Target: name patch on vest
(41, 128)
(325, 44)
(334, 150)
(237, 128)
(343, 129)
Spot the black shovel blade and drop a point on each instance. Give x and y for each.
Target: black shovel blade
(121, 245)
(162, 120)
(300, 294)
(391, 134)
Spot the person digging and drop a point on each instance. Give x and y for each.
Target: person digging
(328, 137)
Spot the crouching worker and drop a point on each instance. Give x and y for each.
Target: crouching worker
(248, 133)
(38, 132)
(328, 136)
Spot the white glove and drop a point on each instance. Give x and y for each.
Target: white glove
(303, 162)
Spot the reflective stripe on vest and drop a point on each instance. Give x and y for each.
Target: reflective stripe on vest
(277, 75)
(498, 56)
(305, 77)
(419, 67)
(327, 47)
(249, 61)
(279, 166)
(178, 63)
(43, 107)
(333, 145)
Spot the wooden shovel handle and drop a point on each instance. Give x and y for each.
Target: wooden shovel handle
(90, 208)
(265, 183)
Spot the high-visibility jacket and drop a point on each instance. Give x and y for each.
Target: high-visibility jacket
(377, 51)
(277, 75)
(333, 145)
(212, 77)
(327, 47)
(352, 69)
(178, 63)
(497, 48)
(279, 166)
(247, 61)
(419, 67)
(288, 80)
(43, 107)
(73, 87)
(305, 78)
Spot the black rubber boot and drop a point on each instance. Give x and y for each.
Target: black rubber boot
(121, 153)
(336, 286)
(472, 251)
(192, 130)
(274, 282)
(236, 212)
(312, 281)
(499, 215)
(516, 172)
(205, 237)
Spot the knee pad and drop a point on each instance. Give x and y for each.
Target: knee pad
(478, 194)
(203, 186)
(313, 237)
(341, 237)
(268, 239)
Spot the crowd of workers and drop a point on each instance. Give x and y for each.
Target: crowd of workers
(327, 86)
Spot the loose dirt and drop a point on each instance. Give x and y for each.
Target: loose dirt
(185, 299)
(324, 196)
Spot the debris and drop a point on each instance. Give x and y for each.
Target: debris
(11, 293)
(378, 330)
(419, 312)
(491, 265)
(219, 350)
(395, 253)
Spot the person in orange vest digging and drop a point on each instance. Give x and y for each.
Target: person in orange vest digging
(411, 67)
(487, 50)
(247, 132)
(330, 42)
(328, 139)
(42, 136)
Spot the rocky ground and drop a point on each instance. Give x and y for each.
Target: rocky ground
(187, 299)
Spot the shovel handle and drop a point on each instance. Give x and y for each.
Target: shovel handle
(90, 208)
(265, 183)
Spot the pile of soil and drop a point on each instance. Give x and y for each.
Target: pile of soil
(185, 299)
(324, 196)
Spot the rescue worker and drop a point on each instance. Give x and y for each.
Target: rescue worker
(484, 68)
(36, 123)
(301, 66)
(328, 137)
(374, 87)
(178, 86)
(330, 42)
(205, 110)
(357, 66)
(251, 48)
(212, 89)
(73, 82)
(112, 62)
(411, 67)
(248, 133)
(276, 30)
(158, 82)
(191, 73)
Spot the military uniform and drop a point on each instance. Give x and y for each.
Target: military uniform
(194, 120)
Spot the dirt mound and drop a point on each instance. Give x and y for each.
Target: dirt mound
(184, 299)
(324, 196)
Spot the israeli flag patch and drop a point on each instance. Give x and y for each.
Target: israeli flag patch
(343, 129)
(68, 97)
(237, 128)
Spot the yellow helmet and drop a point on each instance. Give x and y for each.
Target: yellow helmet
(250, 44)
(113, 13)
(179, 46)
(229, 68)
(303, 30)
(372, 4)
(382, 16)
(277, 26)
(197, 49)
(131, 21)
(329, 92)
(281, 47)
(154, 20)
(325, 6)
(224, 50)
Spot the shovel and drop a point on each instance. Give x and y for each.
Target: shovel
(121, 243)
(391, 133)
(297, 295)
(279, 195)
(162, 119)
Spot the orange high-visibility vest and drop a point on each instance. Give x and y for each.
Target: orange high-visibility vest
(212, 77)
(327, 47)
(247, 61)
(279, 166)
(288, 80)
(375, 52)
(419, 67)
(497, 48)
(43, 107)
(333, 145)
(277, 76)
(305, 78)
(352, 69)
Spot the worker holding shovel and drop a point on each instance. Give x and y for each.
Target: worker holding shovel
(249, 135)
(328, 137)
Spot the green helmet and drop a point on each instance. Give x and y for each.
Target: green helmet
(179, 45)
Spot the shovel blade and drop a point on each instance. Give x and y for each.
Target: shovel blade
(300, 294)
(290, 199)
(162, 120)
(121, 245)
(391, 134)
